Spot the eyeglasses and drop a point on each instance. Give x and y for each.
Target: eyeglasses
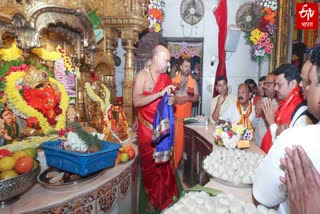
(267, 84)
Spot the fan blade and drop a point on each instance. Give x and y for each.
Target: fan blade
(197, 14)
(193, 2)
(186, 13)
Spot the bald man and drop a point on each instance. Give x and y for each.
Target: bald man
(150, 85)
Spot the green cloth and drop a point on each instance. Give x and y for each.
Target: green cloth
(94, 19)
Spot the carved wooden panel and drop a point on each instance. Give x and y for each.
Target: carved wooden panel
(281, 53)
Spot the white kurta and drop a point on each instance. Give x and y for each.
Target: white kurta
(267, 187)
(230, 100)
(297, 121)
(232, 114)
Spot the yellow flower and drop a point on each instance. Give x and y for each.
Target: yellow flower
(45, 54)
(237, 129)
(12, 53)
(157, 27)
(219, 131)
(255, 35)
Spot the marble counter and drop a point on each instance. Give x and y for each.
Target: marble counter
(115, 186)
(243, 193)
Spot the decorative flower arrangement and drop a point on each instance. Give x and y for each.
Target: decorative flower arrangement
(155, 15)
(13, 91)
(262, 38)
(228, 134)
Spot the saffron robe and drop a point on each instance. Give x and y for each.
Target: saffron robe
(181, 112)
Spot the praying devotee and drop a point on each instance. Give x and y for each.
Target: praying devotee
(292, 110)
(242, 112)
(297, 173)
(150, 85)
(260, 90)
(305, 77)
(253, 85)
(259, 122)
(221, 103)
(186, 93)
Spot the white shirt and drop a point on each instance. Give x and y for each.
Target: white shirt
(230, 100)
(267, 187)
(260, 129)
(297, 121)
(233, 115)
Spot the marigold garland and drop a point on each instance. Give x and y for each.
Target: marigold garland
(46, 55)
(12, 53)
(21, 105)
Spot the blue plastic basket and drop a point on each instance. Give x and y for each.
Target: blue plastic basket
(79, 163)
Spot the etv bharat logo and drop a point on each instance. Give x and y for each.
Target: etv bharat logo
(307, 16)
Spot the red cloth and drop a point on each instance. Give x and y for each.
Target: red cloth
(221, 16)
(283, 115)
(158, 179)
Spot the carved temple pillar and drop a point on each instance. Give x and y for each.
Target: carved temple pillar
(109, 46)
(110, 41)
(129, 18)
(129, 38)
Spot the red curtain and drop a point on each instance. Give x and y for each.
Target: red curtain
(221, 16)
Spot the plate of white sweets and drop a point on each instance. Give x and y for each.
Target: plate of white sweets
(232, 167)
(203, 203)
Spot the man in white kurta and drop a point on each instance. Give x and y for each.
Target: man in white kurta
(241, 112)
(221, 103)
(267, 187)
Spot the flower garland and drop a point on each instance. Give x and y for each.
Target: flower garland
(155, 15)
(45, 54)
(262, 38)
(21, 105)
(67, 80)
(94, 96)
(107, 108)
(12, 53)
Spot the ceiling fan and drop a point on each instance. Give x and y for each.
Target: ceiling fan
(192, 11)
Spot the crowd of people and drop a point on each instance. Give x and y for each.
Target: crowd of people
(281, 110)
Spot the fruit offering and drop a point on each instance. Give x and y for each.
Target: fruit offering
(20, 162)
(125, 154)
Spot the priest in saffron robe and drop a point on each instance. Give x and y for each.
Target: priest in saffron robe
(186, 93)
(242, 112)
(150, 85)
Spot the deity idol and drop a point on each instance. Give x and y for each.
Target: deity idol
(41, 94)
